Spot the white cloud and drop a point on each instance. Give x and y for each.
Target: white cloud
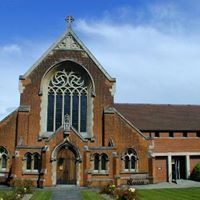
(150, 65)
(154, 62)
(15, 60)
(12, 48)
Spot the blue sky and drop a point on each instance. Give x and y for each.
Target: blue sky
(151, 47)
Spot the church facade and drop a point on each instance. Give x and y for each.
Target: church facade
(68, 129)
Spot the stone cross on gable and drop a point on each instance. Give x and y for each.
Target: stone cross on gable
(69, 20)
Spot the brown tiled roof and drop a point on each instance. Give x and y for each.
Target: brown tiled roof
(161, 117)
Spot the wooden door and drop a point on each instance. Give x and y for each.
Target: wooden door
(66, 167)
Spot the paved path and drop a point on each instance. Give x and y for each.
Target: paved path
(66, 192)
(179, 184)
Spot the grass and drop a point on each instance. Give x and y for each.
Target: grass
(42, 195)
(153, 194)
(91, 195)
(170, 194)
(37, 195)
(147, 194)
(4, 192)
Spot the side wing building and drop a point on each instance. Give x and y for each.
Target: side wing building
(68, 129)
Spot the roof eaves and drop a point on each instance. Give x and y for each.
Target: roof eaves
(69, 30)
(92, 57)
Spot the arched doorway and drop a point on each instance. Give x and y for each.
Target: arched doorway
(66, 166)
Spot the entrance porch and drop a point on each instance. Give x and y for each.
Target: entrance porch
(173, 166)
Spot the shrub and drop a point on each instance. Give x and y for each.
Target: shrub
(108, 189)
(22, 186)
(120, 193)
(196, 173)
(126, 194)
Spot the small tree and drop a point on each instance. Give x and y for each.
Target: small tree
(196, 173)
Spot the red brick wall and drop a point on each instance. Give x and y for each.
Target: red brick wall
(125, 136)
(177, 144)
(32, 87)
(193, 161)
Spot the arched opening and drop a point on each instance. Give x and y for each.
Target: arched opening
(3, 158)
(66, 158)
(96, 162)
(129, 158)
(67, 89)
(100, 163)
(66, 166)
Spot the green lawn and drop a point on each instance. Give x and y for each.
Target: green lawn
(5, 193)
(42, 195)
(37, 195)
(154, 194)
(91, 195)
(170, 194)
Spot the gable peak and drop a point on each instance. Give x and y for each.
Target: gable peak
(68, 42)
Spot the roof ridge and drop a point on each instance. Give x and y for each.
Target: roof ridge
(159, 104)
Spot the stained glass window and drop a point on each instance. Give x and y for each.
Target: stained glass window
(58, 110)
(50, 123)
(67, 94)
(83, 113)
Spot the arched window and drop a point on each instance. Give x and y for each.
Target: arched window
(129, 158)
(28, 161)
(126, 162)
(3, 158)
(32, 162)
(100, 163)
(67, 95)
(104, 160)
(111, 143)
(36, 162)
(96, 161)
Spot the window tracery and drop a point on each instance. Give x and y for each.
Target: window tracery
(67, 95)
(130, 158)
(3, 158)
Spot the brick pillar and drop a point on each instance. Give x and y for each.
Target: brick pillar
(40, 181)
(116, 169)
(87, 168)
(153, 173)
(47, 168)
(18, 165)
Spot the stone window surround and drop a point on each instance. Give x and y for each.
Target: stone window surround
(133, 154)
(44, 99)
(32, 170)
(99, 171)
(4, 152)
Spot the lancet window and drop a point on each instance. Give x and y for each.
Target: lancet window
(67, 95)
(100, 162)
(129, 158)
(32, 162)
(3, 158)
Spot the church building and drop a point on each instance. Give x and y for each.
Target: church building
(68, 129)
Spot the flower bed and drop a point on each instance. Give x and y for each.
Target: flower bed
(120, 193)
